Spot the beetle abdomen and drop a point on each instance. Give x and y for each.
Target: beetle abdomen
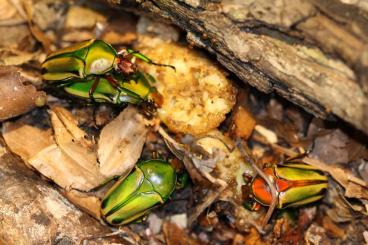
(295, 186)
(150, 184)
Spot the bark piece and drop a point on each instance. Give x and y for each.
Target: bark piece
(290, 47)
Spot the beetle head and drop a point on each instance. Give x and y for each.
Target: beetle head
(125, 64)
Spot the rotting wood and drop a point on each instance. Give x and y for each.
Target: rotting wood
(312, 52)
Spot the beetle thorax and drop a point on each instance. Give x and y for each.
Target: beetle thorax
(100, 66)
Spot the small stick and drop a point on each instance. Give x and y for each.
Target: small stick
(269, 182)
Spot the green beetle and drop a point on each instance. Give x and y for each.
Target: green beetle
(94, 62)
(296, 184)
(133, 91)
(150, 184)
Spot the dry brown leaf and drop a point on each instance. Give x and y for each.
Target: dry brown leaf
(87, 202)
(253, 238)
(71, 125)
(244, 123)
(17, 98)
(17, 136)
(65, 171)
(330, 226)
(316, 235)
(177, 236)
(76, 148)
(121, 143)
(7, 11)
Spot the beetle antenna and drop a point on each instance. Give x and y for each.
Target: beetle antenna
(269, 182)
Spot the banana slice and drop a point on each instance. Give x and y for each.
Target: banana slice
(197, 96)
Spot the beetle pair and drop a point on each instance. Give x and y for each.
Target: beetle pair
(94, 69)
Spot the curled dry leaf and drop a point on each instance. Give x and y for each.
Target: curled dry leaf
(70, 160)
(17, 136)
(71, 139)
(76, 150)
(121, 143)
(17, 98)
(196, 96)
(61, 116)
(64, 170)
(38, 149)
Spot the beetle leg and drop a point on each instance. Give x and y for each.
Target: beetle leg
(93, 88)
(144, 58)
(112, 81)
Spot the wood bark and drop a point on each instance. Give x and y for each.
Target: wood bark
(34, 212)
(312, 52)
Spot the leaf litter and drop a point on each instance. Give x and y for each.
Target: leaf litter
(200, 134)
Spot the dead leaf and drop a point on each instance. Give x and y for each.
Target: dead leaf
(356, 191)
(177, 236)
(71, 125)
(87, 202)
(76, 148)
(316, 235)
(252, 238)
(330, 226)
(244, 123)
(332, 147)
(65, 171)
(121, 143)
(7, 11)
(17, 136)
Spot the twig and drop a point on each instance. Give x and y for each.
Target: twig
(269, 182)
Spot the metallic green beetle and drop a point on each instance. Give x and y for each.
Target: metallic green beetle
(94, 62)
(296, 184)
(150, 184)
(133, 91)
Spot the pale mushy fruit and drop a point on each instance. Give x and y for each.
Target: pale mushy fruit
(197, 96)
